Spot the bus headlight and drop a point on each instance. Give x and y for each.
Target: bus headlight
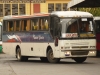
(91, 52)
(67, 53)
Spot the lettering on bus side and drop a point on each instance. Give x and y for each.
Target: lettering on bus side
(39, 37)
(29, 37)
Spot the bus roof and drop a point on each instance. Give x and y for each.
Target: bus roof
(24, 16)
(97, 18)
(58, 13)
(72, 14)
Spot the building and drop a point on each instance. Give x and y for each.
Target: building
(21, 7)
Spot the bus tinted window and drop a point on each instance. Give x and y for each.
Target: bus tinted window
(5, 26)
(39, 23)
(17, 26)
(10, 26)
(25, 25)
(44, 24)
(34, 24)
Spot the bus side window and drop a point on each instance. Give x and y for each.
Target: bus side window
(34, 24)
(46, 24)
(17, 28)
(10, 26)
(5, 25)
(24, 25)
(14, 25)
(42, 24)
(28, 25)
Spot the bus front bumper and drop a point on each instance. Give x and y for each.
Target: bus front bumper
(77, 53)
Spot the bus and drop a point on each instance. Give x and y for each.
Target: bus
(0, 37)
(50, 36)
(97, 21)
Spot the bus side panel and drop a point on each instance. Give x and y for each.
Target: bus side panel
(26, 48)
(32, 49)
(39, 49)
(57, 50)
(9, 48)
(30, 43)
(35, 49)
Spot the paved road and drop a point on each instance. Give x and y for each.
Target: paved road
(10, 66)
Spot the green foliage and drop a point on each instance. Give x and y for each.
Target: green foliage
(95, 11)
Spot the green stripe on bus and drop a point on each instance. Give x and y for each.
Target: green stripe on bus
(0, 49)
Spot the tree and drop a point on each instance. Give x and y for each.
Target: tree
(95, 11)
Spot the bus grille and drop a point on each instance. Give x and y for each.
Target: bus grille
(79, 52)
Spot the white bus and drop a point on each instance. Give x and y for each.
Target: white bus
(50, 37)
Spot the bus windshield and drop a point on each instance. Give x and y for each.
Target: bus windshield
(77, 27)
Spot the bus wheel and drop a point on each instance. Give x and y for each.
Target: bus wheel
(44, 59)
(20, 57)
(80, 59)
(50, 57)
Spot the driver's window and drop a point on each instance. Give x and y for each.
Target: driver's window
(83, 27)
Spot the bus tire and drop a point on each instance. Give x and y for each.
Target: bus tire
(20, 57)
(80, 59)
(50, 57)
(44, 59)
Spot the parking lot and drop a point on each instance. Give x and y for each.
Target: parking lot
(10, 66)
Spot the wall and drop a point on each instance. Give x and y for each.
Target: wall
(29, 8)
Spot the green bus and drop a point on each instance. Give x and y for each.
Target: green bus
(0, 37)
